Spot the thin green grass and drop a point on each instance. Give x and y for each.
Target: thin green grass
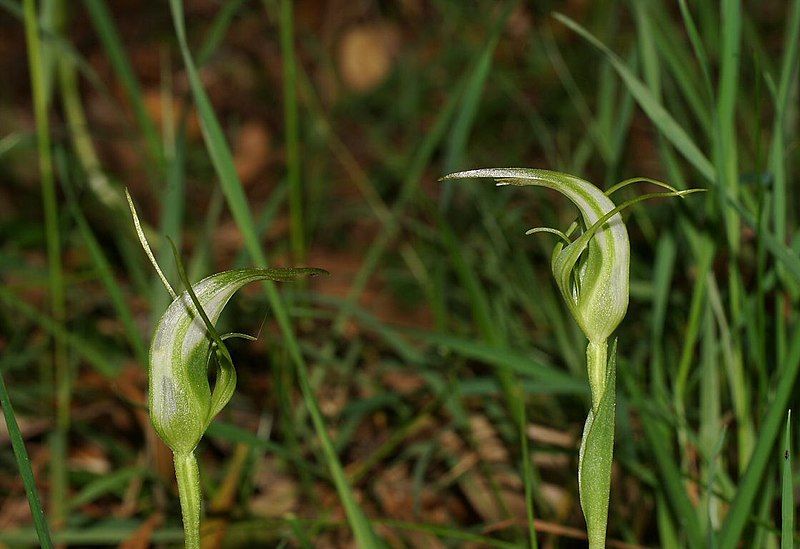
(778, 152)
(172, 194)
(291, 131)
(750, 483)
(101, 360)
(471, 80)
(58, 370)
(787, 488)
(297, 230)
(725, 149)
(97, 180)
(668, 471)
(24, 465)
(683, 143)
(112, 44)
(102, 266)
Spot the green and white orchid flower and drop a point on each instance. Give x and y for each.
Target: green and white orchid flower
(592, 274)
(185, 342)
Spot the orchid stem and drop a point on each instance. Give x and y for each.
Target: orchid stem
(188, 476)
(596, 470)
(596, 362)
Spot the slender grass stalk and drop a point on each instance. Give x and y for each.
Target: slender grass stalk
(787, 488)
(112, 44)
(283, 376)
(173, 196)
(58, 471)
(102, 266)
(727, 173)
(725, 154)
(81, 139)
(291, 132)
(750, 484)
(64, 47)
(86, 349)
(24, 464)
(668, 470)
(777, 156)
(216, 33)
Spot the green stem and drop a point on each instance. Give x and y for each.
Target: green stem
(597, 445)
(596, 360)
(188, 476)
(39, 87)
(292, 132)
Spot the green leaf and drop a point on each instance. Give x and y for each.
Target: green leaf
(594, 462)
(181, 401)
(25, 470)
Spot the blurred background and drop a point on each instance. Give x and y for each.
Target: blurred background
(340, 117)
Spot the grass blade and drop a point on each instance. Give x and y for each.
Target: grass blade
(112, 44)
(560, 382)
(787, 488)
(725, 157)
(671, 477)
(651, 106)
(697, 45)
(219, 27)
(778, 153)
(410, 183)
(173, 196)
(104, 269)
(24, 464)
(81, 139)
(290, 117)
(681, 141)
(750, 484)
(100, 361)
(36, 63)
